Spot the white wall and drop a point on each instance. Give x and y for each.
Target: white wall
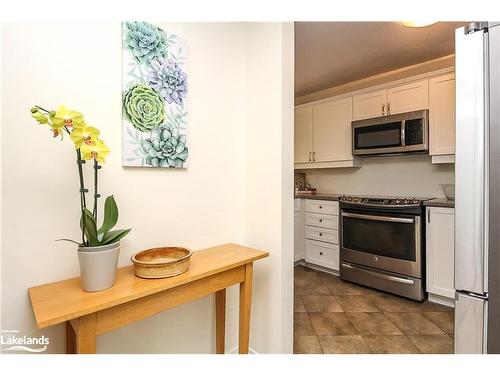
(208, 204)
(402, 176)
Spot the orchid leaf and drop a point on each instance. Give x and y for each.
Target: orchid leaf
(110, 217)
(114, 236)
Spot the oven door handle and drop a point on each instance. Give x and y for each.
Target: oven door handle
(380, 275)
(379, 218)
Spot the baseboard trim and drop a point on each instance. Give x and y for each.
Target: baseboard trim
(450, 302)
(302, 262)
(235, 351)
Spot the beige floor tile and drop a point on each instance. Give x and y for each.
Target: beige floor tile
(392, 303)
(373, 324)
(312, 289)
(362, 303)
(390, 345)
(431, 306)
(306, 345)
(433, 344)
(344, 288)
(444, 320)
(298, 305)
(414, 324)
(332, 324)
(343, 345)
(302, 325)
(321, 304)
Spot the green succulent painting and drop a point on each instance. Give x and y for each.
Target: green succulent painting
(155, 97)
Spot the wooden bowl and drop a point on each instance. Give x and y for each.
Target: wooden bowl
(161, 262)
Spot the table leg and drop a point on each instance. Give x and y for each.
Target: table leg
(245, 305)
(86, 334)
(220, 321)
(70, 339)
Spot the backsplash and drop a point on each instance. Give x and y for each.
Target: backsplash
(402, 176)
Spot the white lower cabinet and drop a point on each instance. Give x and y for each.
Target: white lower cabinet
(440, 254)
(298, 230)
(321, 233)
(323, 254)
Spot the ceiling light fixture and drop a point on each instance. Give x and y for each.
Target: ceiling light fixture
(418, 23)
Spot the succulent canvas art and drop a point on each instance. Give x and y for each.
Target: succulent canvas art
(154, 97)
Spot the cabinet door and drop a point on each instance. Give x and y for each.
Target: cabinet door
(442, 115)
(322, 254)
(372, 104)
(409, 97)
(440, 251)
(332, 130)
(303, 134)
(298, 243)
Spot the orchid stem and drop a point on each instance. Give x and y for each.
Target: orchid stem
(96, 194)
(83, 203)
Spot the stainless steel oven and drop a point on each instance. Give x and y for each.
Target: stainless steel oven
(382, 244)
(394, 134)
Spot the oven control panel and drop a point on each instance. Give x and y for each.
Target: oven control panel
(380, 201)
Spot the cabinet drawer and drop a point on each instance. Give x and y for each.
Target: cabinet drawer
(322, 254)
(322, 221)
(322, 234)
(322, 207)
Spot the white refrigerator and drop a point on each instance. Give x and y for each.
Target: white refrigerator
(477, 180)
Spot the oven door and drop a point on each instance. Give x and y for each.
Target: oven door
(390, 242)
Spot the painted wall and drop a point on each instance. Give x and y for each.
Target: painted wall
(402, 176)
(215, 201)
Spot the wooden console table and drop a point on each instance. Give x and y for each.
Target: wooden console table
(131, 299)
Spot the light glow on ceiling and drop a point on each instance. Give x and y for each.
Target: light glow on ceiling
(419, 23)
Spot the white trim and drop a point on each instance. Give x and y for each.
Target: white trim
(381, 86)
(354, 163)
(443, 159)
(302, 262)
(235, 351)
(450, 302)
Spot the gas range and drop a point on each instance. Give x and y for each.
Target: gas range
(387, 202)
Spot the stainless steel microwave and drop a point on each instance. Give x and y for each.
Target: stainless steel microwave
(394, 134)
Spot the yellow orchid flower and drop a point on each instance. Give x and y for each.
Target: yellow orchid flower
(96, 150)
(84, 134)
(66, 117)
(38, 116)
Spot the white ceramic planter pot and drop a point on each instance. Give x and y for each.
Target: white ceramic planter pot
(98, 266)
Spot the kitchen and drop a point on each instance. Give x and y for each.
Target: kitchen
(377, 146)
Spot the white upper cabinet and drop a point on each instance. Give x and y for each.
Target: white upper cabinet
(369, 105)
(442, 115)
(332, 131)
(406, 98)
(303, 134)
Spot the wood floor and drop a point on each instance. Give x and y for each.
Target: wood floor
(334, 316)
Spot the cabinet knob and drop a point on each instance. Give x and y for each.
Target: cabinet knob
(320, 220)
(320, 253)
(320, 234)
(320, 207)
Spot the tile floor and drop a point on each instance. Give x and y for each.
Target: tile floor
(334, 316)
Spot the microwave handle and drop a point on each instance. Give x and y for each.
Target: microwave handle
(403, 126)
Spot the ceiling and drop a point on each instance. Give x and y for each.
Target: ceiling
(329, 54)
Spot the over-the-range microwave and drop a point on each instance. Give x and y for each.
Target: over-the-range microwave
(393, 134)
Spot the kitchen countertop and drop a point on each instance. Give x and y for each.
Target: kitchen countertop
(436, 202)
(440, 202)
(319, 196)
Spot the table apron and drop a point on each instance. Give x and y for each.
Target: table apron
(129, 312)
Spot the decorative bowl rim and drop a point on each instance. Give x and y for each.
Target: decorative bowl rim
(134, 259)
